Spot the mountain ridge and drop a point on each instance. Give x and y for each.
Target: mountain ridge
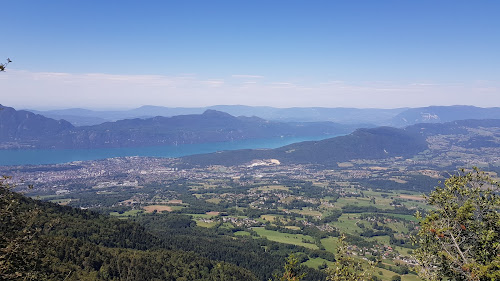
(366, 143)
(210, 126)
(397, 117)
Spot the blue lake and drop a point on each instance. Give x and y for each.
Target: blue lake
(55, 156)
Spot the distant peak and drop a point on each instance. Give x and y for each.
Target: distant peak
(212, 112)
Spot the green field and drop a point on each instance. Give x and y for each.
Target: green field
(63, 201)
(347, 223)
(47, 197)
(295, 239)
(330, 244)
(205, 224)
(205, 216)
(242, 233)
(314, 263)
(406, 217)
(131, 213)
(307, 212)
(272, 187)
(381, 240)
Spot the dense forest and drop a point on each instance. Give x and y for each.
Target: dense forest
(45, 241)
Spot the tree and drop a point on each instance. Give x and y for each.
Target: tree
(3, 65)
(460, 238)
(346, 268)
(396, 278)
(18, 230)
(291, 270)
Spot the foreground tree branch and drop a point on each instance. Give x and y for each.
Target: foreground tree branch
(460, 238)
(3, 65)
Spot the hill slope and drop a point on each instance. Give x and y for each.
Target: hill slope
(373, 143)
(28, 128)
(43, 241)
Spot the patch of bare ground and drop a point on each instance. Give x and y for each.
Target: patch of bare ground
(412, 197)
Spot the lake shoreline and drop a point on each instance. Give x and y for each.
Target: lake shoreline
(18, 157)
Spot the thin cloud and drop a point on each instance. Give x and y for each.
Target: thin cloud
(98, 90)
(247, 76)
(423, 84)
(213, 83)
(282, 85)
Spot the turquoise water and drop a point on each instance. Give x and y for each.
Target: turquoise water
(55, 156)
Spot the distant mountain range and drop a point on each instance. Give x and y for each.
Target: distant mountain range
(83, 117)
(441, 114)
(398, 117)
(374, 143)
(24, 129)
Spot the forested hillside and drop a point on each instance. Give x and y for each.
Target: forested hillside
(376, 143)
(43, 241)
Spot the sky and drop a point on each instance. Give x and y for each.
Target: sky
(282, 53)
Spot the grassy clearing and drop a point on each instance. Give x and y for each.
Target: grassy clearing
(242, 233)
(295, 239)
(416, 204)
(314, 263)
(288, 199)
(273, 187)
(46, 197)
(227, 225)
(330, 244)
(397, 226)
(131, 213)
(381, 203)
(406, 217)
(381, 240)
(204, 216)
(307, 212)
(64, 201)
(205, 224)
(410, 277)
(386, 274)
(214, 200)
(270, 218)
(347, 223)
(402, 250)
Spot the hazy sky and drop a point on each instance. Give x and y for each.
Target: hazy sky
(351, 53)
